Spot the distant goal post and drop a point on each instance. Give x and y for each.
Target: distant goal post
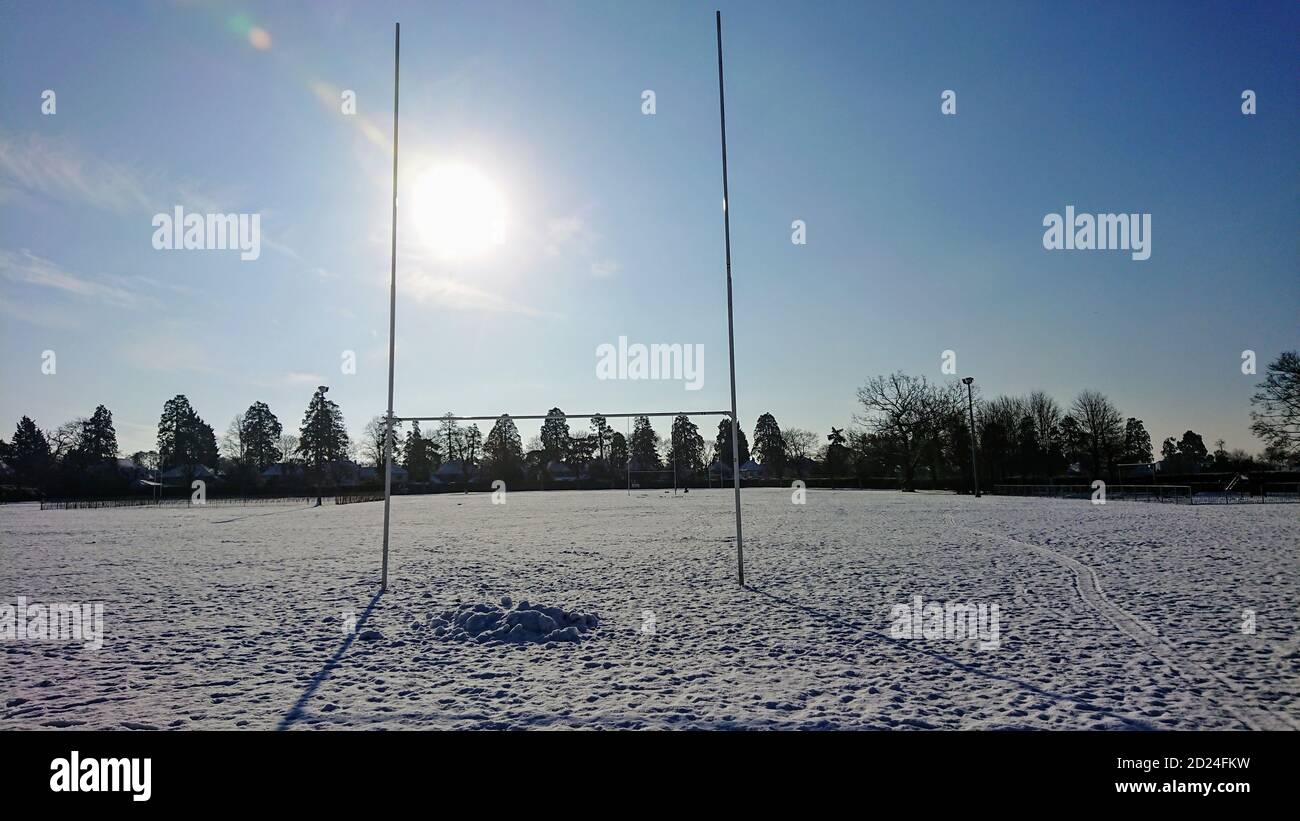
(391, 420)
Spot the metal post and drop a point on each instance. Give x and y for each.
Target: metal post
(392, 316)
(731, 333)
(970, 405)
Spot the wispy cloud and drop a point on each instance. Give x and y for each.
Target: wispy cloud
(571, 235)
(25, 268)
(56, 169)
(38, 314)
(605, 268)
(566, 231)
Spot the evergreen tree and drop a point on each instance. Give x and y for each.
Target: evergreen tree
(686, 447)
(722, 445)
(322, 439)
(173, 427)
(97, 441)
(836, 452)
(1137, 442)
(29, 453)
(555, 436)
(504, 450)
(205, 443)
(769, 446)
(183, 437)
(582, 449)
(260, 432)
(617, 452)
(643, 448)
(1192, 451)
(601, 430)
(416, 454)
(1169, 449)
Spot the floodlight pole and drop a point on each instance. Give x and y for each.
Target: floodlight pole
(731, 332)
(970, 406)
(392, 316)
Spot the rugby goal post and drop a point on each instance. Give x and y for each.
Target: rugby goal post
(390, 418)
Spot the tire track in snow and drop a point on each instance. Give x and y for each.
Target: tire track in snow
(1132, 627)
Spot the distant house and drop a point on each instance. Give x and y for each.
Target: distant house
(181, 474)
(282, 471)
(748, 470)
(344, 473)
(803, 466)
(561, 471)
(138, 475)
(1139, 470)
(371, 475)
(455, 470)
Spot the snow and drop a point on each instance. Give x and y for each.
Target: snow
(489, 624)
(1119, 616)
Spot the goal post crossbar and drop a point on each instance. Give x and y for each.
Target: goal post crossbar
(549, 416)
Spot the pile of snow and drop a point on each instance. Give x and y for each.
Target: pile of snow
(522, 623)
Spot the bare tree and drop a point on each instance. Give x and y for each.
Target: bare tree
(372, 441)
(450, 434)
(1276, 419)
(232, 442)
(1047, 418)
(288, 445)
(799, 445)
(910, 413)
(64, 438)
(1102, 427)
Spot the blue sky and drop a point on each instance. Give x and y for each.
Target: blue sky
(924, 231)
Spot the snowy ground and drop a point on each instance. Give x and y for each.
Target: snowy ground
(1127, 615)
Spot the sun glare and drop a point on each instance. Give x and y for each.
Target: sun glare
(458, 211)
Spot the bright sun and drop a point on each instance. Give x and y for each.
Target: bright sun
(458, 211)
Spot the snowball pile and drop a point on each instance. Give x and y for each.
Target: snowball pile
(521, 623)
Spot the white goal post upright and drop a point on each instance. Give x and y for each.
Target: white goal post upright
(731, 330)
(391, 419)
(392, 313)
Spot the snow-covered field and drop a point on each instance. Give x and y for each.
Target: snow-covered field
(1128, 615)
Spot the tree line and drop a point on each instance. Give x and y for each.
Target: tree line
(909, 428)
(82, 456)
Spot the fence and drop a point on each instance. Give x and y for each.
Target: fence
(1178, 494)
(358, 497)
(1280, 492)
(95, 504)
